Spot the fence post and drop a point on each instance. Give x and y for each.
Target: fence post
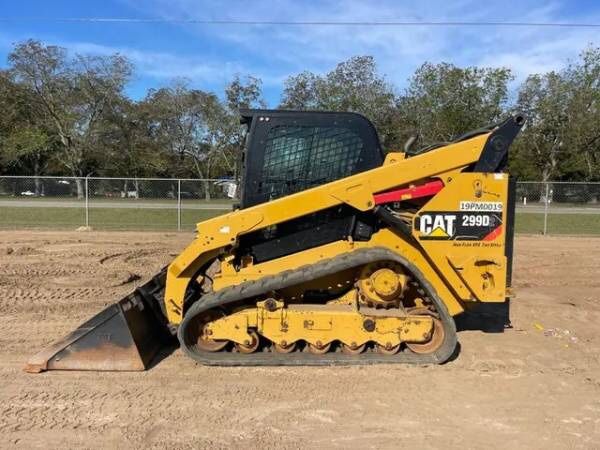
(179, 205)
(87, 201)
(546, 209)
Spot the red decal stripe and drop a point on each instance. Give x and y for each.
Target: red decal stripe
(425, 190)
(493, 234)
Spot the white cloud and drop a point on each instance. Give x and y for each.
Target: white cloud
(280, 51)
(274, 52)
(161, 65)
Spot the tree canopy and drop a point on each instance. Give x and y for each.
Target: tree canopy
(68, 114)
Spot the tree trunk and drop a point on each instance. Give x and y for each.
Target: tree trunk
(80, 188)
(545, 175)
(206, 185)
(38, 186)
(39, 190)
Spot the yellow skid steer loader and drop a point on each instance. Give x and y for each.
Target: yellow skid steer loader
(336, 254)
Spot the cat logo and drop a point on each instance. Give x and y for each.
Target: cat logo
(460, 226)
(437, 226)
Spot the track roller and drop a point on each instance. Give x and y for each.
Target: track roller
(319, 348)
(387, 349)
(249, 346)
(284, 347)
(353, 349)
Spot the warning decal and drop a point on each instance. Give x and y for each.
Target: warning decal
(454, 225)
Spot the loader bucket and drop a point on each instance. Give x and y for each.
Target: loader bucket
(123, 337)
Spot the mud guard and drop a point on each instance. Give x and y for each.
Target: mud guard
(125, 336)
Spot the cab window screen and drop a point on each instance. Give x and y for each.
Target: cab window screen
(299, 157)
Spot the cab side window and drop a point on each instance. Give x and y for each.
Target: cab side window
(300, 157)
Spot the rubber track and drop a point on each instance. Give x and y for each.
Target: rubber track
(285, 279)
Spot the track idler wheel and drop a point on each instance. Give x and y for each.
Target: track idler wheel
(433, 344)
(203, 339)
(249, 346)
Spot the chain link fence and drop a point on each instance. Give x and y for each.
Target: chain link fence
(112, 203)
(178, 204)
(558, 208)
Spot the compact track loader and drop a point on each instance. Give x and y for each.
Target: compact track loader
(336, 254)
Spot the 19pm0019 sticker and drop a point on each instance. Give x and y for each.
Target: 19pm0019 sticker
(459, 225)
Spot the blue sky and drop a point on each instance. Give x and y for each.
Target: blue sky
(210, 55)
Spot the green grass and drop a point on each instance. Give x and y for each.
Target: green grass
(132, 201)
(584, 224)
(166, 219)
(102, 218)
(15, 217)
(529, 223)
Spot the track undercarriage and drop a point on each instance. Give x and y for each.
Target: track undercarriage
(385, 315)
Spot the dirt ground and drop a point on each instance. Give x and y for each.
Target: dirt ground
(535, 386)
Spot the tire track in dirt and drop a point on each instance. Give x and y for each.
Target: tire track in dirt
(40, 302)
(521, 388)
(86, 406)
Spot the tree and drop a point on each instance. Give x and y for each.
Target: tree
(238, 95)
(184, 123)
(127, 147)
(540, 150)
(25, 143)
(69, 113)
(583, 128)
(443, 101)
(354, 85)
(562, 137)
(300, 92)
(73, 93)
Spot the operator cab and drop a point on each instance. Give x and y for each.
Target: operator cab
(291, 151)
